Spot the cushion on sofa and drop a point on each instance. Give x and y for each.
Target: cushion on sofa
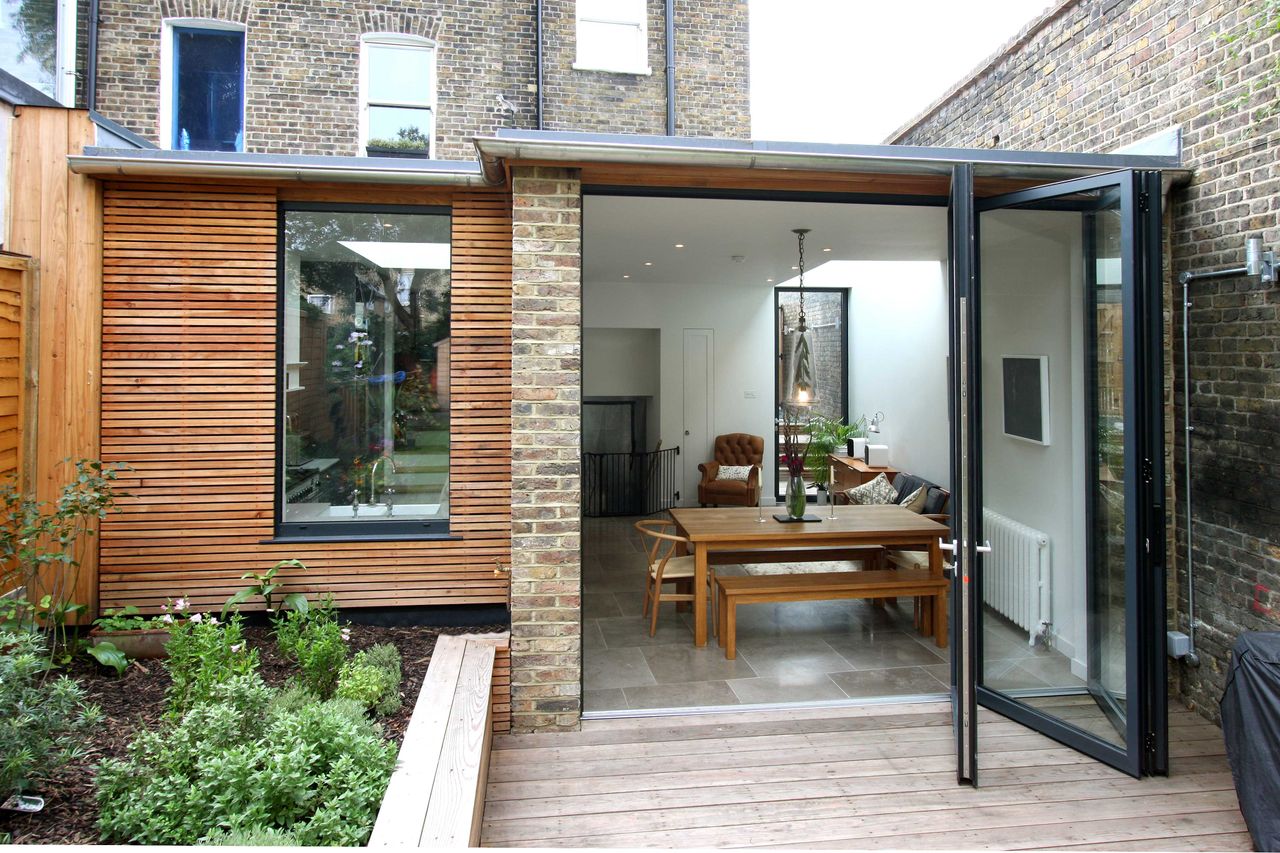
(876, 491)
(734, 472)
(936, 500)
(916, 500)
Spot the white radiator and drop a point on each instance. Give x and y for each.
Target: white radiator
(1016, 575)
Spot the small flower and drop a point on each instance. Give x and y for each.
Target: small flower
(339, 346)
(164, 608)
(181, 604)
(346, 634)
(167, 619)
(237, 647)
(336, 363)
(213, 620)
(197, 618)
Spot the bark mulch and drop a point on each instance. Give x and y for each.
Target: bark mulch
(136, 700)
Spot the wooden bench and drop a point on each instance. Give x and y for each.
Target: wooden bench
(823, 586)
(436, 795)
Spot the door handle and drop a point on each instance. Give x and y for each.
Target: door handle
(984, 548)
(949, 547)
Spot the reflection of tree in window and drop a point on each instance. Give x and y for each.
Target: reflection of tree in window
(37, 26)
(406, 139)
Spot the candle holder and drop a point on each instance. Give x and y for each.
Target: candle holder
(831, 489)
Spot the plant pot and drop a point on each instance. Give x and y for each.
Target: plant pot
(142, 643)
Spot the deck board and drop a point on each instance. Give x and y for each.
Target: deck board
(862, 777)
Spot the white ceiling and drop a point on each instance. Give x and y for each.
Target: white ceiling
(621, 233)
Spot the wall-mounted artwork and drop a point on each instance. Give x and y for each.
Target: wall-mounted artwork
(1026, 397)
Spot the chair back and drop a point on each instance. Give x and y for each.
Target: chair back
(660, 542)
(739, 448)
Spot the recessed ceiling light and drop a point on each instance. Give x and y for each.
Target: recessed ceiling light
(826, 248)
(795, 268)
(648, 263)
(769, 280)
(626, 275)
(679, 245)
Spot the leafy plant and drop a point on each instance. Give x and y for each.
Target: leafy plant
(42, 545)
(317, 642)
(204, 653)
(106, 653)
(240, 765)
(126, 618)
(42, 720)
(1261, 24)
(265, 585)
(826, 435)
(372, 678)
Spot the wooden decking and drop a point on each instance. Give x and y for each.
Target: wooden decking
(878, 776)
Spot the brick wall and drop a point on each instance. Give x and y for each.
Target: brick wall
(712, 90)
(1097, 74)
(302, 69)
(546, 418)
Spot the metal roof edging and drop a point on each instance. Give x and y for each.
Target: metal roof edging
(123, 165)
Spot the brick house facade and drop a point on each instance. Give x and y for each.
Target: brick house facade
(1095, 75)
(302, 69)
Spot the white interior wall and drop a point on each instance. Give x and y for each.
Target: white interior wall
(624, 363)
(898, 341)
(741, 316)
(1032, 304)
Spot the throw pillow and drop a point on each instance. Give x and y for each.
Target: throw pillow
(877, 491)
(915, 500)
(734, 472)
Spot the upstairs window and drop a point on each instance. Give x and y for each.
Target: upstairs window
(397, 96)
(38, 45)
(202, 87)
(612, 36)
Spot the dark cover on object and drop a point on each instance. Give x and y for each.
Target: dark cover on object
(906, 483)
(1251, 726)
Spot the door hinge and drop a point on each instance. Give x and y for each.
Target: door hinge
(1144, 201)
(1149, 743)
(1148, 471)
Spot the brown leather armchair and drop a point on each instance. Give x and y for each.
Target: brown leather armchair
(736, 448)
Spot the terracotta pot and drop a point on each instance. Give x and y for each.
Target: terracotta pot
(142, 643)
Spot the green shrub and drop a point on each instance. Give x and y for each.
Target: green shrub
(204, 652)
(249, 762)
(258, 836)
(372, 678)
(41, 720)
(317, 642)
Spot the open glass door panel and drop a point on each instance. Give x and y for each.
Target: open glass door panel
(1064, 464)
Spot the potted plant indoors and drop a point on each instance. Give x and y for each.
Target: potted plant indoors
(827, 436)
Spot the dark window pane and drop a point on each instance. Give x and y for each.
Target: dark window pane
(366, 367)
(208, 92)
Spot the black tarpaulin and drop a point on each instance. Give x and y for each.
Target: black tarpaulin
(1251, 726)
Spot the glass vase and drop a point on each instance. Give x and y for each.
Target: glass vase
(797, 499)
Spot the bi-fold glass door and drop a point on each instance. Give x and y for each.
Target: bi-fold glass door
(1058, 605)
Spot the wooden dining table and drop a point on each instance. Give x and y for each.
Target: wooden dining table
(739, 529)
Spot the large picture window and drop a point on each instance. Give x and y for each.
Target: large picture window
(364, 432)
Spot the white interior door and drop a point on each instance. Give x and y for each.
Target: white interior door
(699, 411)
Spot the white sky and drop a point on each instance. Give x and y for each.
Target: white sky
(854, 71)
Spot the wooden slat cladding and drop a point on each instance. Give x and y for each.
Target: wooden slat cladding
(189, 401)
(14, 272)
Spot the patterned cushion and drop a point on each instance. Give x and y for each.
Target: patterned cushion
(734, 472)
(877, 491)
(915, 501)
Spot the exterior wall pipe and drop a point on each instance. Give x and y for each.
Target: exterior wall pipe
(671, 66)
(537, 25)
(91, 59)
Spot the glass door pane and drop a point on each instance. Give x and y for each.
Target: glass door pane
(1059, 432)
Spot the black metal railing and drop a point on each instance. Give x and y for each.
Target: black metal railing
(630, 483)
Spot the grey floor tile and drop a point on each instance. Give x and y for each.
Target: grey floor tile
(901, 681)
(670, 664)
(695, 694)
(600, 604)
(592, 639)
(623, 631)
(615, 668)
(883, 653)
(791, 657)
(612, 699)
(791, 687)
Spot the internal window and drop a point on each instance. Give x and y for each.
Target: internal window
(398, 95)
(612, 36)
(206, 89)
(365, 366)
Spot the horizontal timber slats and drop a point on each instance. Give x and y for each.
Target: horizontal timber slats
(189, 402)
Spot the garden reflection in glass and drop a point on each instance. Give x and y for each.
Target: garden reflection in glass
(366, 366)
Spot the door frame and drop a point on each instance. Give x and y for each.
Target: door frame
(1146, 742)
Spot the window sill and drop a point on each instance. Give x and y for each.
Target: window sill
(296, 539)
(634, 72)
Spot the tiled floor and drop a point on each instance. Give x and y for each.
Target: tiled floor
(796, 652)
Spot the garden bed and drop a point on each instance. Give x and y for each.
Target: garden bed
(136, 701)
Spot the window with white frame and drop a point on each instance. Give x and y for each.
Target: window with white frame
(38, 43)
(397, 95)
(612, 35)
(202, 85)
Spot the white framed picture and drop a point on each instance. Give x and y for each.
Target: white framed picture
(1025, 385)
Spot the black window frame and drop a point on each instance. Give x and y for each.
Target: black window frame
(343, 531)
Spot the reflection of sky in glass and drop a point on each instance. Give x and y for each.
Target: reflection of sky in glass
(399, 75)
(27, 68)
(386, 122)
